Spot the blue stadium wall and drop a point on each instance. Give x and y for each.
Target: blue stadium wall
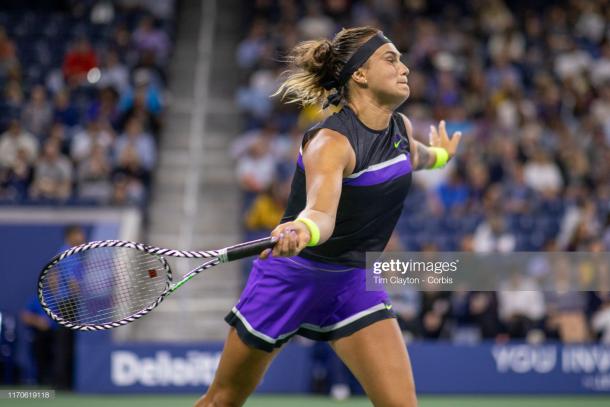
(439, 368)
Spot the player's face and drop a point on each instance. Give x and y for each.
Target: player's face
(386, 75)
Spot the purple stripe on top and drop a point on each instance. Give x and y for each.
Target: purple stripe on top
(381, 175)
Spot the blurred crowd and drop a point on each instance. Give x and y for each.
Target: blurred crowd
(82, 86)
(527, 83)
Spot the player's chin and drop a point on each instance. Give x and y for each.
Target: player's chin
(401, 95)
(404, 90)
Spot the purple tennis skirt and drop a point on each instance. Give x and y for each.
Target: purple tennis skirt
(287, 296)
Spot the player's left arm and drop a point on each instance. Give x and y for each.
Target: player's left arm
(422, 156)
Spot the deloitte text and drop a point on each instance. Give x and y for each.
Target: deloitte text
(163, 369)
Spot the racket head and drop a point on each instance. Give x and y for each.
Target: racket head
(103, 284)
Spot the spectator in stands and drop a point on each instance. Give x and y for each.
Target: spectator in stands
(254, 99)
(314, 24)
(252, 48)
(492, 236)
(64, 111)
(518, 196)
(147, 37)
(144, 102)
(16, 179)
(105, 107)
(53, 175)
(93, 176)
(435, 311)
(268, 208)
(147, 63)
(13, 99)
(521, 305)
(95, 134)
(78, 61)
(37, 115)
(15, 138)
(600, 320)
(9, 64)
(279, 145)
(121, 42)
(135, 147)
(566, 319)
(483, 313)
(543, 175)
(59, 135)
(127, 190)
(581, 226)
(453, 193)
(113, 73)
(477, 177)
(256, 168)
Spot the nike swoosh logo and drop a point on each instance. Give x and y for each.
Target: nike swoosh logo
(397, 144)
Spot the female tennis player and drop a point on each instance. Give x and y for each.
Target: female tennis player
(352, 176)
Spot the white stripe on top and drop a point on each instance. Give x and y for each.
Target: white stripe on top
(379, 166)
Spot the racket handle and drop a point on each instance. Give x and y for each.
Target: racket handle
(247, 249)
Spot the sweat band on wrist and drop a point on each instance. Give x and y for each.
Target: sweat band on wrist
(442, 156)
(314, 231)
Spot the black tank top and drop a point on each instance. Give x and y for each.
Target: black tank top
(371, 198)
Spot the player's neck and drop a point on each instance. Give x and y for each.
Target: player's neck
(373, 115)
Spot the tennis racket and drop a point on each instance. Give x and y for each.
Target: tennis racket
(109, 283)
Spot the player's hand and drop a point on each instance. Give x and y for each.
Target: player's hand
(292, 237)
(439, 138)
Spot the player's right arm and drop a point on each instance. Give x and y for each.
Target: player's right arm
(327, 158)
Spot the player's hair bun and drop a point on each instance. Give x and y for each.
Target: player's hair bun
(315, 56)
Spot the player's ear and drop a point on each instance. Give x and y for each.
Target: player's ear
(360, 76)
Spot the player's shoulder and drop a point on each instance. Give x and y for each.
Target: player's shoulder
(328, 138)
(407, 123)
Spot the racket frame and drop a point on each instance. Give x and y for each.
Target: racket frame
(215, 257)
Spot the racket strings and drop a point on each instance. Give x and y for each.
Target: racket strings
(103, 285)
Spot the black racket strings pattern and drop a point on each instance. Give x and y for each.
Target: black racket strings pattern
(105, 284)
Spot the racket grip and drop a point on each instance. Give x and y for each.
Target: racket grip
(250, 248)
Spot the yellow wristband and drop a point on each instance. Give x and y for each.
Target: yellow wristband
(442, 156)
(314, 231)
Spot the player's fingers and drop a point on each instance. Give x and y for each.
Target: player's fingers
(456, 138)
(285, 243)
(265, 254)
(275, 233)
(277, 249)
(442, 130)
(433, 136)
(304, 238)
(294, 243)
